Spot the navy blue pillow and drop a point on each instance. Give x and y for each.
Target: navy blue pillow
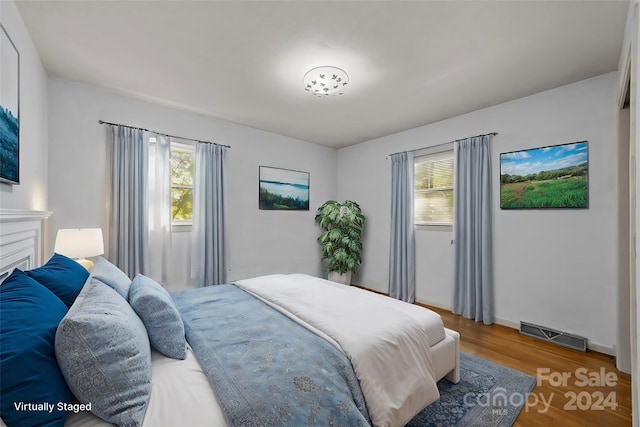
(29, 317)
(62, 276)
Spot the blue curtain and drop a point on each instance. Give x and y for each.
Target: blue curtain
(402, 256)
(209, 249)
(473, 285)
(128, 211)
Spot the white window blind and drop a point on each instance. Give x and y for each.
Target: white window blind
(433, 183)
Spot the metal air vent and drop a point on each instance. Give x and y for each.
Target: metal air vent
(554, 336)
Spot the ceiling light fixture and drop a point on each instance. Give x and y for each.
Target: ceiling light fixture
(326, 81)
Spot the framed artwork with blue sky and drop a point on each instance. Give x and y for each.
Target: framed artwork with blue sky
(9, 110)
(283, 189)
(549, 177)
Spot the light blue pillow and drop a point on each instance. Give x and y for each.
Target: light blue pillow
(160, 316)
(111, 275)
(104, 354)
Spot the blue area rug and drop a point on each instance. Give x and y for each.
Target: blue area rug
(488, 395)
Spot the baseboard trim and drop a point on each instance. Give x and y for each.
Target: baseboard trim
(609, 350)
(600, 348)
(435, 304)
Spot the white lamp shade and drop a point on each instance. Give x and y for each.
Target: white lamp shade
(79, 242)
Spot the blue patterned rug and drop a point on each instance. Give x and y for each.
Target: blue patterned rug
(488, 395)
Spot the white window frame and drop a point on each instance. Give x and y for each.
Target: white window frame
(427, 152)
(176, 145)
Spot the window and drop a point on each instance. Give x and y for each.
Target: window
(433, 183)
(182, 173)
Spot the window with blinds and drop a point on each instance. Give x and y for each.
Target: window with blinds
(182, 175)
(433, 183)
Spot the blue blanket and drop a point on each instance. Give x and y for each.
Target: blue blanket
(265, 368)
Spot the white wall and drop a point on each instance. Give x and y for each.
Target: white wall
(261, 242)
(557, 268)
(32, 191)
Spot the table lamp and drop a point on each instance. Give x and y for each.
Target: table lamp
(80, 243)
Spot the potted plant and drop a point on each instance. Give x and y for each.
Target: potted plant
(341, 246)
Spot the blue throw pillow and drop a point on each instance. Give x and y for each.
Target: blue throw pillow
(111, 275)
(160, 316)
(62, 276)
(29, 316)
(104, 354)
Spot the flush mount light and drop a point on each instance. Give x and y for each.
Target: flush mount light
(326, 81)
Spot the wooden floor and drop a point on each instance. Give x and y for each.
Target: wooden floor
(593, 393)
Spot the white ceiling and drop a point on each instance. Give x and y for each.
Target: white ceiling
(410, 63)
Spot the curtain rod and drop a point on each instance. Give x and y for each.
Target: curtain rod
(444, 143)
(102, 122)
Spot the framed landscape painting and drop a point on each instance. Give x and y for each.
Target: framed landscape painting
(550, 177)
(9, 110)
(283, 189)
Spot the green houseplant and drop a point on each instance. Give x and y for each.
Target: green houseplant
(342, 224)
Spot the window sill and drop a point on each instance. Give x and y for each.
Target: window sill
(181, 228)
(443, 227)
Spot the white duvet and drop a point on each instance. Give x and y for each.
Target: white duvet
(385, 339)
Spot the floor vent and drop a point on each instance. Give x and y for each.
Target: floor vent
(554, 336)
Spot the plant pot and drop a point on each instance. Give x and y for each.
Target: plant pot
(344, 279)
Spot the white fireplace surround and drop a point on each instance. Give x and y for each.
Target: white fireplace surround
(20, 239)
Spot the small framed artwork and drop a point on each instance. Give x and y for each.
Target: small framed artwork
(550, 177)
(283, 189)
(9, 110)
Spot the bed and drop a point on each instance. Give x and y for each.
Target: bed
(397, 351)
